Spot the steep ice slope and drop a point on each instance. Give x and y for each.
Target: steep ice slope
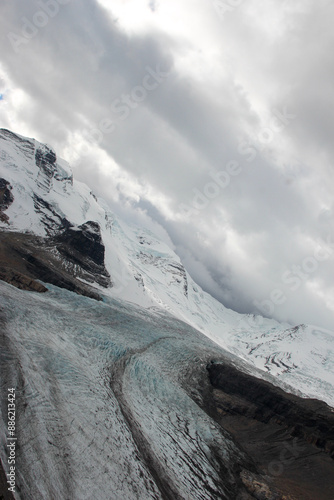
(145, 271)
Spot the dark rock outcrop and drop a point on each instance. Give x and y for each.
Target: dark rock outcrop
(257, 399)
(45, 160)
(4, 218)
(84, 242)
(6, 197)
(289, 439)
(21, 281)
(28, 257)
(83, 246)
(53, 222)
(48, 272)
(180, 276)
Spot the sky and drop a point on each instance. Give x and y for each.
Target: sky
(209, 122)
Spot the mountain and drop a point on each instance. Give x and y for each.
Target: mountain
(131, 381)
(86, 244)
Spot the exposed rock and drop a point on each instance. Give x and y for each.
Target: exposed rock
(257, 399)
(20, 280)
(85, 240)
(4, 218)
(93, 195)
(259, 489)
(83, 245)
(6, 197)
(45, 160)
(63, 175)
(290, 439)
(36, 259)
(47, 271)
(53, 222)
(143, 241)
(139, 278)
(180, 276)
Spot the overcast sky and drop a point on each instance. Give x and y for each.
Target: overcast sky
(211, 122)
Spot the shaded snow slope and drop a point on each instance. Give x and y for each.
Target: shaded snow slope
(145, 271)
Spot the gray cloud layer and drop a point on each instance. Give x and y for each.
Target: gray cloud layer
(233, 159)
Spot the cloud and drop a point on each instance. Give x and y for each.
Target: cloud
(216, 127)
(152, 5)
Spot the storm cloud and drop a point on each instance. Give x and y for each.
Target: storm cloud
(209, 122)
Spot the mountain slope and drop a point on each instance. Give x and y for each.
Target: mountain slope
(118, 392)
(40, 196)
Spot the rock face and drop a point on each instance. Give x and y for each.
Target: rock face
(21, 281)
(259, 400)
(83, 242)
(52, 220)
(26, 258)
(287, 437)
(45, 160)
(82, 245)
(6, 198)
(180, 276)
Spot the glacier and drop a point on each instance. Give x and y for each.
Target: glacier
(86, 372)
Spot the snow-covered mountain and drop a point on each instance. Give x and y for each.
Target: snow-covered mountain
(44, 199)
(125, 388)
